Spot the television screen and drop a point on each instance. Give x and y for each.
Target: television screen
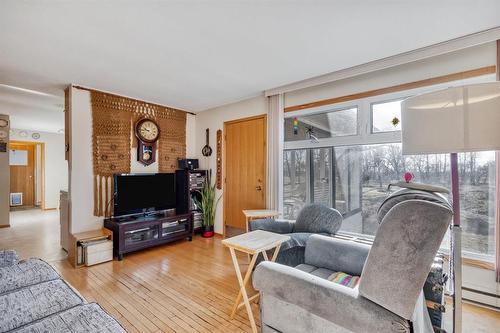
(137, 193)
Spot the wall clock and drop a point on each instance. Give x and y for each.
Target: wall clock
(147, 132)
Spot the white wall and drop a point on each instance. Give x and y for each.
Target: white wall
(82, 188)
(467, 59)
(4, 181)
(214, 120)
(81, 171)
(56, 167)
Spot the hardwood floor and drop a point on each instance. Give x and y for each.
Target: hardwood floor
(179, 287)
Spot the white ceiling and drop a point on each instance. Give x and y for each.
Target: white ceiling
(195, 55)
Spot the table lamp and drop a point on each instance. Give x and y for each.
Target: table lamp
(453, 120)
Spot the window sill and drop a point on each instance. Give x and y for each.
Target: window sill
(478, 263)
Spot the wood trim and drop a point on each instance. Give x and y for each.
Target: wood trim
(475, 263)
(400, 87)
(478, 263)
(245, 119)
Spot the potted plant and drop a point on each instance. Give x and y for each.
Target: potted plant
(208, 205)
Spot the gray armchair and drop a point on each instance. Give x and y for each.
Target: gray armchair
(312, 219)
(392, 273)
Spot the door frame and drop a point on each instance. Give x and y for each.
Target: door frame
(224, 163)
(42, 166)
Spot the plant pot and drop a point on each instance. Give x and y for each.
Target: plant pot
(208, 231)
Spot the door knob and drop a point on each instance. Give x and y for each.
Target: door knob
(258, 188)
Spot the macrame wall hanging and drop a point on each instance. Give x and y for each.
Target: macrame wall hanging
(113, 119)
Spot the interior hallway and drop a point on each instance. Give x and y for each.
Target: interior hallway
(33, 233)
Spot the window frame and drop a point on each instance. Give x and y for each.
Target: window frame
(325, 110)
(383, 102)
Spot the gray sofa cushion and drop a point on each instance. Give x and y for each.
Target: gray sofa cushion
(296, 239)
(272, 225)
(89, 318)
(35, 302)
(8, 258)
(318, 219)
(336, 254)
(408, 194)
(291, 257)
(25, 273)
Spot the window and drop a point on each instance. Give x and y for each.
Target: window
(329, 176)
(386, 116)
(361, 174)
(328, 124)
(295, 191)
(18, 157)
(354, 152)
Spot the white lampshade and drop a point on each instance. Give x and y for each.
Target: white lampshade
(454, 120)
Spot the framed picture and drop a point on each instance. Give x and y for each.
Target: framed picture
(16, 199)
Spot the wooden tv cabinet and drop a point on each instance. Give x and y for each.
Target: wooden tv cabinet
(141, 232)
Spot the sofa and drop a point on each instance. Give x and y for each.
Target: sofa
(312, 219)
(388, 276)
(34, 299)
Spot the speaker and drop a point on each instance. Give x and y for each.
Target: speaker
(188, 164)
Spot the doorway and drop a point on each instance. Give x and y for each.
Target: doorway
(245, 155)
(26, 161)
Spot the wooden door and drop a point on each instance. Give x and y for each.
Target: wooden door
(22, 174)
(245, 168)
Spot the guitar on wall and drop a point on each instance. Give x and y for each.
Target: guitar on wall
(207, 150)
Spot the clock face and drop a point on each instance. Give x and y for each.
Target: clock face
(4, 122)
(147, 130)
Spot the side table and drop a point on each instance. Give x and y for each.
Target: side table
(253, 214)
(252, 243)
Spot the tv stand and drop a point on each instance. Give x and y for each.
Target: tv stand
(135, 233)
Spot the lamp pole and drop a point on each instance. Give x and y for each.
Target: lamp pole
(456, 247)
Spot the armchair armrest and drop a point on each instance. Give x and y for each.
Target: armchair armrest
(336, 254)
(338, 304)
(8, 258)
(272, 225)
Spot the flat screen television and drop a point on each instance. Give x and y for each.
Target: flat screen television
(141, 193)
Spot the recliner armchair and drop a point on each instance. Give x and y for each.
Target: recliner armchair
(312, 219)
(392, 273)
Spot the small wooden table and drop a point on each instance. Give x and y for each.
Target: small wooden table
(253, 243)
(102, 233)
(253, 214)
